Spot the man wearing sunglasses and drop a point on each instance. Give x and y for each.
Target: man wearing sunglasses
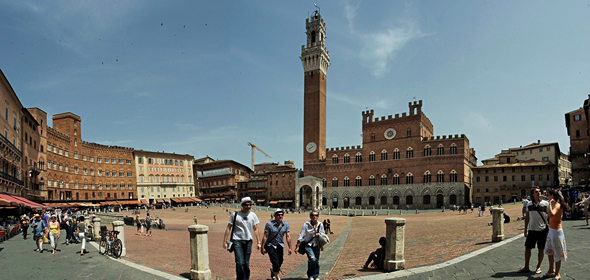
(273, 242)
(243, 223)
(535, 229)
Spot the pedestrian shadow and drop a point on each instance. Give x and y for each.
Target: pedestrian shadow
(484, 243)
(514, 274)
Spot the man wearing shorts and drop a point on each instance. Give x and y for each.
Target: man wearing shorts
(148, 225)
(535, 229)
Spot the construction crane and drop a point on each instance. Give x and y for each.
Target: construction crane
(256, 147)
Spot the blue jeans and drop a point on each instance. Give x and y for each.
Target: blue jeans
(242, 251)
(313, 261)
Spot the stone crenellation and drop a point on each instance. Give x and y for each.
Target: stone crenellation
(415, 109)
(443, 137)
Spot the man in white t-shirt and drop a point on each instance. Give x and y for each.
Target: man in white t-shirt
(534, 229)
(241, 225)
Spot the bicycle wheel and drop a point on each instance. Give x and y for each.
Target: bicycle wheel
(117, 248)
(102, 248)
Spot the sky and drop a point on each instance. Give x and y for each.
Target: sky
(204, 78)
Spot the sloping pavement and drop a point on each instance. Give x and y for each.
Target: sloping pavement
(19, 260)
(502, 260)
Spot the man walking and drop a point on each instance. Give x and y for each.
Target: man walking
(242, 224)
(535, 229)
(38, 232)
(273, 242)
(148, 225)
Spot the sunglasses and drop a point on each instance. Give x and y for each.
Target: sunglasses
(248, 205)
(279, 214)
(315, 215)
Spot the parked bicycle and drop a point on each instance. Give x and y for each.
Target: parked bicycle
(111, 244)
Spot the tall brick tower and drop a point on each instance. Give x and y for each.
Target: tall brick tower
(316, 61)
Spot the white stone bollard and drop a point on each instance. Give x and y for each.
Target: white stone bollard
(120, 227)
(498, 224)
(199, 252)
(394, 248)
(96, 229)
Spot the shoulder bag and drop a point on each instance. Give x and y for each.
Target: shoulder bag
(302, 246)
(230, 247)
(546, 230)
(269, 239)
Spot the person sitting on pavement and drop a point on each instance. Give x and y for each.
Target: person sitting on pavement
(377, 257)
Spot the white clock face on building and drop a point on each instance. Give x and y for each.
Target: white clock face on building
(389, 133)
(311, 147)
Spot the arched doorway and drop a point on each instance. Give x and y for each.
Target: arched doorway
(346, 202)
(305, 197)
(384, 200)
(440, 200)
(453, 199)
(334, 202)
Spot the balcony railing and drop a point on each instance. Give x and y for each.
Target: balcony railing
(10, 178)
(12, 146)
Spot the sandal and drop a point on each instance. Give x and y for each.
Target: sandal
(548, 275)
(538, 271)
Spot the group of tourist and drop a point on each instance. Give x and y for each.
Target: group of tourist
(543, 230)
(243, 227)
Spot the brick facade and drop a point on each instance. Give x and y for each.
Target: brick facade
(578, 128)
(221, 180)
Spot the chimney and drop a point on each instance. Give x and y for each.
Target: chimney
(538, 141)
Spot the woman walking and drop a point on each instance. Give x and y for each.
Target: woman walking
(555, 247)
(54, 233)
(308, 238)
(81, 231)
(138, 224)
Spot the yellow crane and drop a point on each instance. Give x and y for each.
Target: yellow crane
(256, 147)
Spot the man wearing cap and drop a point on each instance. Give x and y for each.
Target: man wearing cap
(243, 223)
(273, 242)
(38, 232)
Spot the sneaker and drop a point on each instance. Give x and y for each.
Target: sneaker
(37, 250)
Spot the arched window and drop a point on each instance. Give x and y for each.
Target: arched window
(440, 176)
(427, 151)
(396, 179)
(347, 158)
(453, 176)
(409, 200)
(335, 159)
(371, 180)
(384, 155)
(371, 200)
(324, 183)
(358, 181)
(440, 150)
(383, 180)
(346, 181)
(372, 156)
(359, 157)
(427, 176)
(410, 153)
(409, 178)
(453, 149)
(334, 182)
(358, 201)
(426, 200)
(396, 200)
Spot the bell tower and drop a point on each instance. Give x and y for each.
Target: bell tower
(316, 61)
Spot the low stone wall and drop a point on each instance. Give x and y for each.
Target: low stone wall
(107, 219)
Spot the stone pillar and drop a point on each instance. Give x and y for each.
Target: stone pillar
(96, 229)
(400, 211)
(498, 224)
(388, 212)
(443, 209)
(199, 252)
(120, 227)
(394, 249)
(417, 211)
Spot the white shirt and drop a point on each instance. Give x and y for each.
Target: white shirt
(307, 233)
(243, 225)
(536, 223)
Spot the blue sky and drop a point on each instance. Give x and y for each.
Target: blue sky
(206, 77)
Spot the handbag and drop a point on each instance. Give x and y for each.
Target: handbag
(302, 246)
(230, 247)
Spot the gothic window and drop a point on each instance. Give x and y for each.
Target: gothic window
(453, 149)
(358, 181)
(359, 157)
(346, 158)
(334, 182)
(383, 179)
(453, 176)
(396, 179)
(409, 153)
(346, 181)
(372, 156)
(440, 150)
(324, 184)
(409, 178)
(335, 159)
(427, 176)
(396, 153)
(440, 176)
(384, 155)
(371, 180)
(427, 151)
(409, 132)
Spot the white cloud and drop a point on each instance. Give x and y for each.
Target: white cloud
(382, 46)
(380, 104)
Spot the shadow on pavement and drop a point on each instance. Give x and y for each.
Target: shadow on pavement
(514, 274)
(484, 243)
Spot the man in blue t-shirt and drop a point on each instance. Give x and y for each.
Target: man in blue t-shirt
(273, 241)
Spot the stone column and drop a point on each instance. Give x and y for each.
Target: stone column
(199, 252)
(120, 227)
(96, 229)
(394, 249)
(498, 224)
